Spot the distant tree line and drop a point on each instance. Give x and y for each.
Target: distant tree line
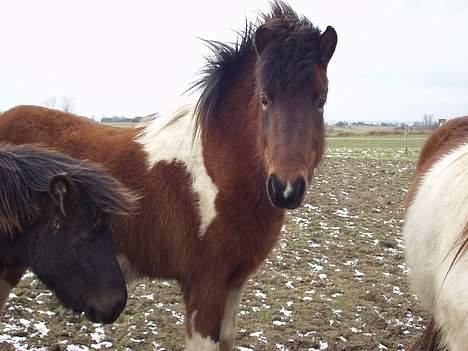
(427, 122)
(64, 103)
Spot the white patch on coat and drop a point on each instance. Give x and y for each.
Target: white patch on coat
(171, 140)
(229, 322)
(433, 223)
(197, 342)
(128, 271)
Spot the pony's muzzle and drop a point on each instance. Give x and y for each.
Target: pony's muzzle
(285, 194)
(105, 308)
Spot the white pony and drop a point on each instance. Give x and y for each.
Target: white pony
(436, 237)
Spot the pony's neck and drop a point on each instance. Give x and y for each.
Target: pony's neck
(232, 135)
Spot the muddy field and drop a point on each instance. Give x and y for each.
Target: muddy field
(336, 280)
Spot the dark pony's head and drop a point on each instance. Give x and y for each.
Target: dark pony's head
(59, 211)
(287, 59)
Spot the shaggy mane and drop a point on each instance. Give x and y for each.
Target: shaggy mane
(297, 48)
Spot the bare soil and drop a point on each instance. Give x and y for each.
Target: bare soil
(336, 281)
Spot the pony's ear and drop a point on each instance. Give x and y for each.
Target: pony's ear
(63, 192)
(263, 36)
(327, 45)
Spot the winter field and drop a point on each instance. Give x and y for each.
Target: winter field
(336, 280)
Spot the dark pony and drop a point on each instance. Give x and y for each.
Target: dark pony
(436, 237)
(54, 219)
(216, 178)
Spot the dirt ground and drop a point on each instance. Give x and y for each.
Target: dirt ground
(336, 281)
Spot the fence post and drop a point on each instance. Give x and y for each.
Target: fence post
(406, 139)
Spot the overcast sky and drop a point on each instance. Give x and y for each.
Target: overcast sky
(395, 60)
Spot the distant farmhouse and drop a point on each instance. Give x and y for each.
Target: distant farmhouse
(442, 121)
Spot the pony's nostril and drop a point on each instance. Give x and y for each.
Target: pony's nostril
(299, 186)
(272, 185)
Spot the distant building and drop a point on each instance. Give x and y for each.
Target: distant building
(442, 121)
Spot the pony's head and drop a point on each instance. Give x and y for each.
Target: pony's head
(291, 91)
(71, 251)
(57, 213)
(274, 79)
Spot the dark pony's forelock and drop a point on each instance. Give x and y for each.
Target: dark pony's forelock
(25, 171)
(284, 68)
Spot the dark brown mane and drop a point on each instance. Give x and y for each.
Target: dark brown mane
(287, 66)
(24, 177)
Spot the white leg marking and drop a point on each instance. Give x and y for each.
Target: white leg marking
(229, 322)
(288, 191)
(433, 223)
(197, 342)
(171, 140)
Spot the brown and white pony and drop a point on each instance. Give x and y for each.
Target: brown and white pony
(436, 237)
(55, 219)
(216, 179)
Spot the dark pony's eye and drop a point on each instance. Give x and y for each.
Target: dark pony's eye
(97, 223)
(100, 222)
(264, 100)
(322, 102)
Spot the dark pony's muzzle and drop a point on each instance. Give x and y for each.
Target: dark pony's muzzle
(285, 194)
(105, 309)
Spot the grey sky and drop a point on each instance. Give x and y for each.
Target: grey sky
(396, 60)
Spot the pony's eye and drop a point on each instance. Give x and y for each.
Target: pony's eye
(96, 223)
(100, 222)
(265, 101)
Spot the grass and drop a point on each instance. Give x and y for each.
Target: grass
(386, 147)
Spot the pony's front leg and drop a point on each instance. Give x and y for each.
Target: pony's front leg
(9, 278)
(211, 316)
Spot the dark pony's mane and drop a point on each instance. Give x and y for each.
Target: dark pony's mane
(287, 65)
(24, 180)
